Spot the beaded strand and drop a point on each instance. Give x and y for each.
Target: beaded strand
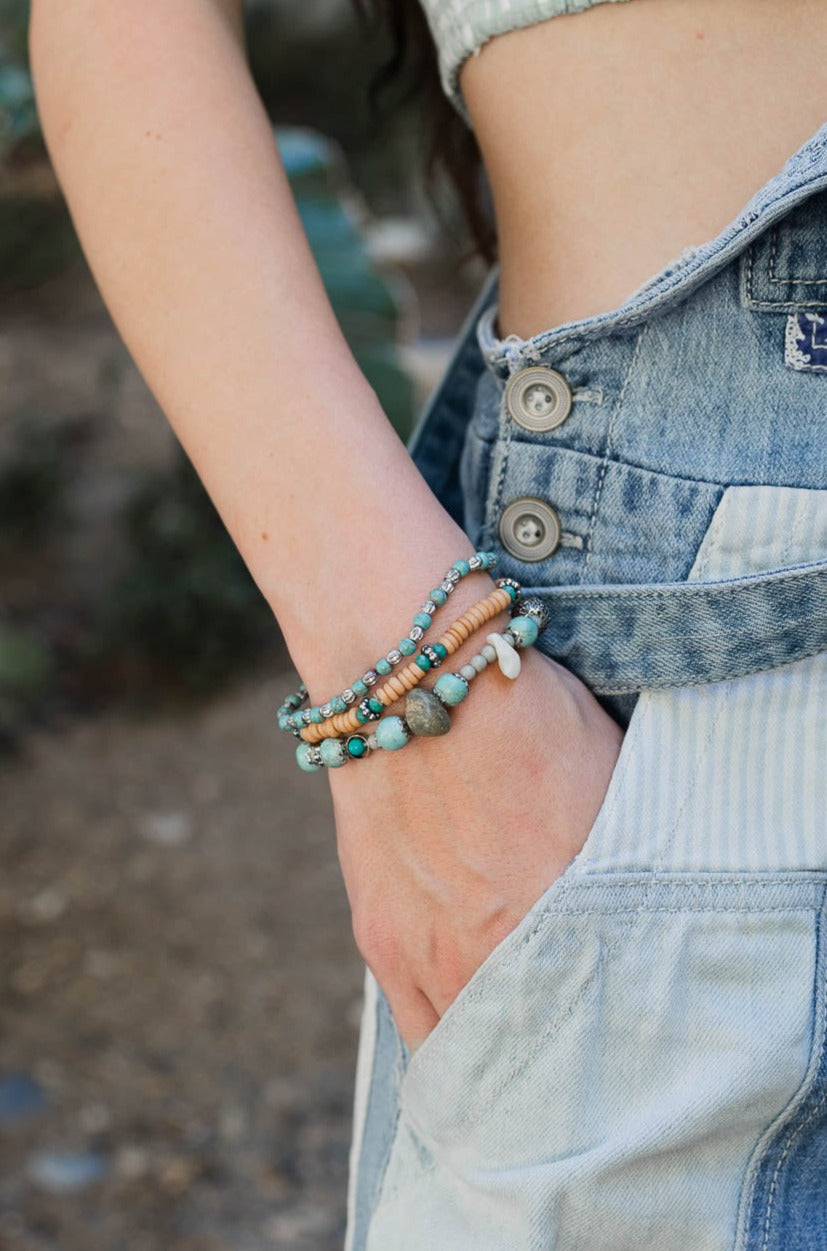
(432, 657)
(426, 711)
(290, 715)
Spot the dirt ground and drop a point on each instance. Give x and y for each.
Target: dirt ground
(180, 984)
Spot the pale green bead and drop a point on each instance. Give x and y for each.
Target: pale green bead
(524, 629)
(304, 760)
(451, 688)
(391, 733)
(333, 752)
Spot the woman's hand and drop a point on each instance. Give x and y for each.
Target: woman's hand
(446, 845)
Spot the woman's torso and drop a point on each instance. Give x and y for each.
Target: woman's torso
(616, 137)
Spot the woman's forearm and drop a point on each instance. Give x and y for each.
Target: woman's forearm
(169, 166)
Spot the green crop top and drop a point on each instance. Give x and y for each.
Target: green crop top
(461, 27)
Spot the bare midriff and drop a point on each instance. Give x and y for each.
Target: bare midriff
(617, 137)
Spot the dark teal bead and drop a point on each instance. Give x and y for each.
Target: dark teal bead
(362, 716)
(384, 667)
(356, 746)
(438, 596)
(423, 620)
(358, 687)
(462, 567)
(441, 650)
(375, 704)
(424, 663)
(407, 647)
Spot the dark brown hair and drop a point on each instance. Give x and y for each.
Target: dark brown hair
(451, 145)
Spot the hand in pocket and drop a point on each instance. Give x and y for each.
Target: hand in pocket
(446, 845)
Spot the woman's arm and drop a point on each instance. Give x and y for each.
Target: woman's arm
(172, 176)
(169, 165)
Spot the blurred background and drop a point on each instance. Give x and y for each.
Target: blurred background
(180, 989)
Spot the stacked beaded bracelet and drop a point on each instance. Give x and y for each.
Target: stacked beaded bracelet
(292, 717)
(427, 712)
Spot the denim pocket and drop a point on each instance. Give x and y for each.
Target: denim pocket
(605, 1086)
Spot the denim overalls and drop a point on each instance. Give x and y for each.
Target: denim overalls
(642, 1064)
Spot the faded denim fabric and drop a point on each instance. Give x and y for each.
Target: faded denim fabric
(642, 1064)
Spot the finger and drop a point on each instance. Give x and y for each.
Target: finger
(415, 1017)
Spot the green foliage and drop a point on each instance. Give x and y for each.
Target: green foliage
(32, 483)
(185, 609)
(26, 672)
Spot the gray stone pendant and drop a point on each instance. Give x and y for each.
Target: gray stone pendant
(425, 714)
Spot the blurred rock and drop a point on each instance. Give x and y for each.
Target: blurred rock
(167, 829)
(21, 1098)
(62, 1173)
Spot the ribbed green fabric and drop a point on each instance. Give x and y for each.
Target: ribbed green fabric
(461, 27)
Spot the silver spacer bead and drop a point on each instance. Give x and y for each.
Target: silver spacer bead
(475, 562)
(315, 755)
(416, 633)
(469, 672)
(348, 695)
(453, 575)
(447, 586)
(489, 652)
(394, 656)
(306, 716)
(429, 607)
(327, 711)
(368, 711)
(479, 661)
(370, 678)
(531, 606)
(510, 582)
(433, 656)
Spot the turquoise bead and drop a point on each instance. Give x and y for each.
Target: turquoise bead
(384, 667)
(356, 746)
(462, 567)
(337, 704)
(391, 733)
(296, 720)
(316, 717)
(438, 596)
(303, 758)
(358, 687)
(451, 689)
(333, 752)
(424, 663)
(524, 629)
(423, 619)
(407, 647)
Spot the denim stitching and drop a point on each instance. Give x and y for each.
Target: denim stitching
(605, 462)
(798, 282)
(795, 1131)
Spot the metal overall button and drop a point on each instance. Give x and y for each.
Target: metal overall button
(530, 529)
(538, 398)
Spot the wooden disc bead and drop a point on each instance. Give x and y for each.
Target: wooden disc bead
(472, 619)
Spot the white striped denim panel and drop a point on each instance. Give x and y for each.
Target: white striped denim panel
(740, 765)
